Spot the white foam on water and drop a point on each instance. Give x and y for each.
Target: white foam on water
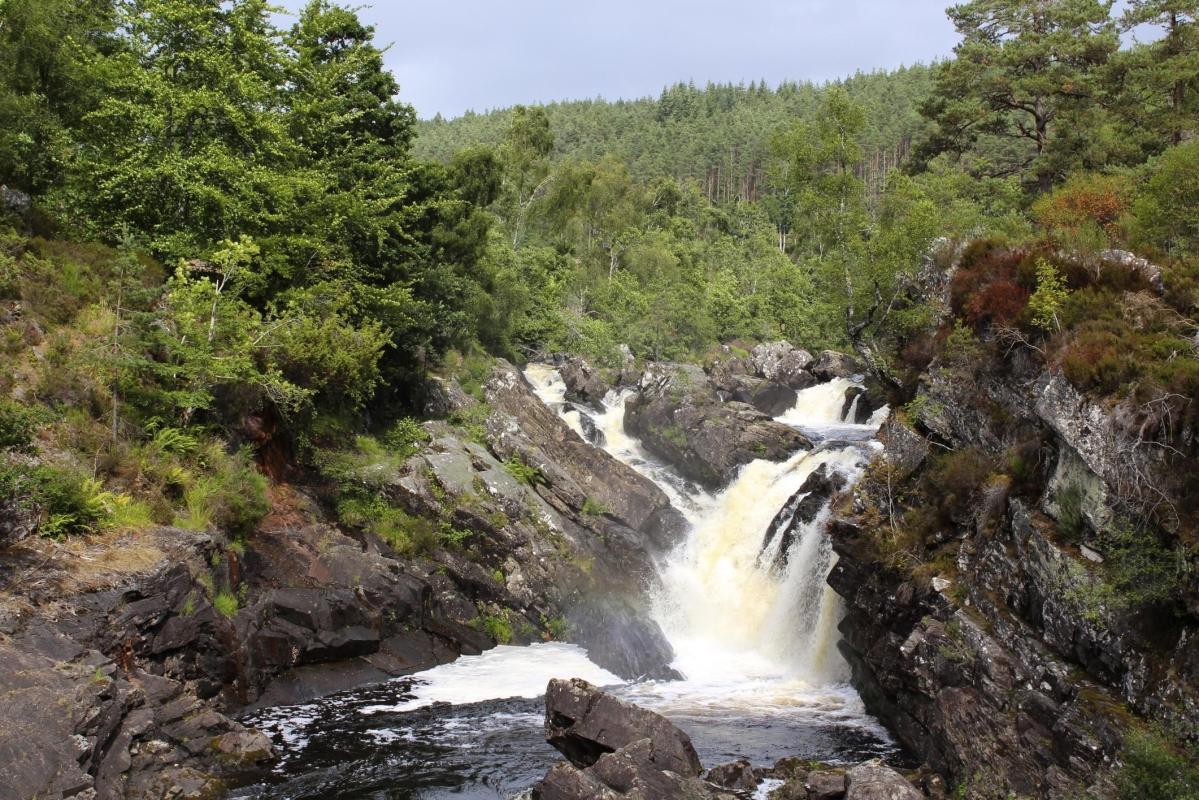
(750, 639)
(502, 672)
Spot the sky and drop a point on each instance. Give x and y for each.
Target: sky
(456, 55)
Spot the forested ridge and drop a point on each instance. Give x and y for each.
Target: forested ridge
(229, 246)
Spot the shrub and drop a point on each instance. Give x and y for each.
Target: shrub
(1086, 208)
(405, 437)
(498, 628)
(1142, 569)
(1069, 516)
(593, 507)
(232, 497)
(1154, 770)
(1046, 301)
(473, 421)
(17, 425)
(522, 471)
(1166, 213)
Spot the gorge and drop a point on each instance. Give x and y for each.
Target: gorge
(755, 643)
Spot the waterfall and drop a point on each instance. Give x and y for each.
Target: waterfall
(744, 631)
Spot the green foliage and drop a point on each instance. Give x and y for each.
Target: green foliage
(1023, 75)
(558, 628)
(497, 627)
(1141, 568)
(17, 425)
(1046, 302)
(231, 496)
(226, 603)
(1155, 769)
(1166, 212)
(593, 508)
(524, 472)
(68, 502)
(405, 437)
(1070, 518)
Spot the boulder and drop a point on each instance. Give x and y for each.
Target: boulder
(617, 750)
(825, 784)
(874, 780)
(443, 397)
(781, 363)
(739, 776)
(584, 384)
(906, 450)
(833, 365)
(766, 358)
(766, 396)
(584, 723)
(679, 416)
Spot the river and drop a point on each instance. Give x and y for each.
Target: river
(756, 643)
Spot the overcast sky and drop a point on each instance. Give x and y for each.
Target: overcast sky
(454, 55)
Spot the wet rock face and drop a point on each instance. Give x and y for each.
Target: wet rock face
(801, 509)
(679, 416)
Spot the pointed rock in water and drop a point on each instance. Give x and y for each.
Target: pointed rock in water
(801, 509)
(584, 384)
(616, 750)
(584, 723)
(591, 431)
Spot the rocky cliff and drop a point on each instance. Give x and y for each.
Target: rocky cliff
(123, 658)
(1015, 571)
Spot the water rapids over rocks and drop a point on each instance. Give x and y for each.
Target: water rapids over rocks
(754, 635)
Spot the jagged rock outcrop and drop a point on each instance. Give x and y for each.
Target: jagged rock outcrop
(157, 639)
(982, 640)
(680, 417)
(573, 471)
(82, 721)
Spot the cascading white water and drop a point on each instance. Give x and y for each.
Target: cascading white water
(746, 635)
(753, 632)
